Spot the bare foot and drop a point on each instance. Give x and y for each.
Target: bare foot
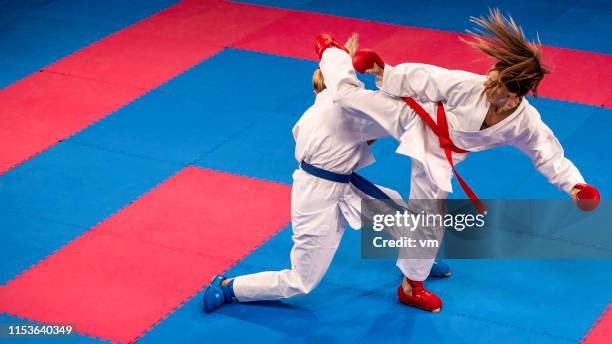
(406, 287)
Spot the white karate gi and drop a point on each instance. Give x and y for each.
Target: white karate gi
(460, 92)
(328, 138)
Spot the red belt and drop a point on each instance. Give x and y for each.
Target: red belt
(441, 131)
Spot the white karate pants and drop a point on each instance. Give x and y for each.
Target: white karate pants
(421, 188)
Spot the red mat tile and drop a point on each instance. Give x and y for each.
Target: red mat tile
(207, 22)
(233, 213)
(108, 286)
(578, 76)
(293, 35)
(155, 50)
(601, 333)
(14, 146)
(91, 83)
(56, 106)
(131, 270)
(135, 59)
(431, 46)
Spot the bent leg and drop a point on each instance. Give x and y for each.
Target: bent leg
(311, 256)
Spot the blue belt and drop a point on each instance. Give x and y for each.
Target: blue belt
(358, 181)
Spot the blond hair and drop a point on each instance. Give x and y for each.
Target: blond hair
(518, 60)
(317, 81)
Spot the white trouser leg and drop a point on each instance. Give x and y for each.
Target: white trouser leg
(317, 230)
(421, 188)
(311, 256)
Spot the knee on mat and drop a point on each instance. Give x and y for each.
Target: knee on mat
(304, 285)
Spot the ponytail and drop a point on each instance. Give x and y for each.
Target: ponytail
(518, 60)
(317, 81)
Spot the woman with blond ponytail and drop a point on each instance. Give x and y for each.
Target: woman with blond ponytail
(440, 115)
(325, 196)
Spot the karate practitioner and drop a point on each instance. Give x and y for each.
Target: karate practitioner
(466, 113)
(325, 196)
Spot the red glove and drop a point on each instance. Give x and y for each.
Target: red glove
(324, 41)
(588, 197)
(364, 59)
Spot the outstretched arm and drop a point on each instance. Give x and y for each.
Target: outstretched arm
(348, 92)
(429, 83)
(548, 157)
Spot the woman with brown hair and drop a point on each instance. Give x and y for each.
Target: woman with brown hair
(439, 115)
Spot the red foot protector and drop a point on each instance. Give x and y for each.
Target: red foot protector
(130, 271)
(324, 41)
(420, 298)
(601, 333)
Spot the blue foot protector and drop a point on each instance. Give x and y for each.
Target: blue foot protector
(440, 269)
(216, 295)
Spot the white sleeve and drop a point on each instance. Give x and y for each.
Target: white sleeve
(295, 131)
(429, 83)
(338, 72)
(349, 93)
(547, 155)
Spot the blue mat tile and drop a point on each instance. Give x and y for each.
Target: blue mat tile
(110, 13)
(264, 150)
(245, 80)
(356, 301)
(26, 240)
(166, 127)
(34, 34)
(79, 185)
